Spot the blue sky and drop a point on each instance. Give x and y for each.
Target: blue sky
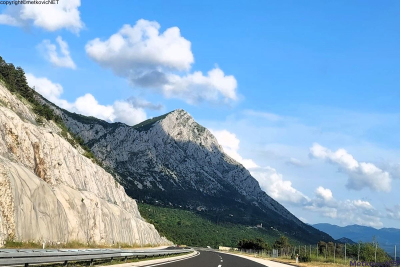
(303, 93)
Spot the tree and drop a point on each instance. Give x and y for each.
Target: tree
(281, 242)
(257, 244)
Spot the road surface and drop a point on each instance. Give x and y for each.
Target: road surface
(213, 259)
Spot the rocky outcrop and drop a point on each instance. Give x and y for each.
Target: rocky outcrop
(172, 160)
(50, 192)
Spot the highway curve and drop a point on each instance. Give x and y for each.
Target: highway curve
(213, 259)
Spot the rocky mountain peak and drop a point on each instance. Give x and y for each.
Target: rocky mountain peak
(173, 160)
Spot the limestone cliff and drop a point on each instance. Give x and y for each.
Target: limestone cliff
(171, 160)
(50, 192)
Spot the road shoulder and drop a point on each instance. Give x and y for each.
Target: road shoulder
(157, 261)
(258, 260)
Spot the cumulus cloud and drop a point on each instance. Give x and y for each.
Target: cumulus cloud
(394, 213)
(230, 144)
(52, 55)
(122, 111)
(275, 186)
(323, 202)
(325, 194)
(346, 211)
(50, 17)
(361, 174)
(160, 62)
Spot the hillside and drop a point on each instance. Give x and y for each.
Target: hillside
(49, 190)
(189, 227)
(386, 237)
(173, 161)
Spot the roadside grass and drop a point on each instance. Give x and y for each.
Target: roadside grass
(315, 261)
(72, 245)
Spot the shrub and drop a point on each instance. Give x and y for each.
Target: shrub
(304, 258)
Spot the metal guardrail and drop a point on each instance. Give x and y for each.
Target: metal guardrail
(26, 257)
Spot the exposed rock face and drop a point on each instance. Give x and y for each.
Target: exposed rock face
(174, 160)
(50, 192)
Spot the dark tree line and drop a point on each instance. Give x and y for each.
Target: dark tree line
(16, 82)
(260, 244)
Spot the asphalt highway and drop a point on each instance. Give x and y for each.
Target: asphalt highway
(213, 259)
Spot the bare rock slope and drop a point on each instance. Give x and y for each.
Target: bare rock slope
(50, 192)
(174, 161)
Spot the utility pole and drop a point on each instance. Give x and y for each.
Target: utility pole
(345, 254)
(326, 250)
(317, 250)
(395, 250)
(334, 254)
(376, 247)
(310, 252)
(358, 257)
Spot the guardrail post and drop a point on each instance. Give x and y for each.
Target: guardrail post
(65, 263)
(91, 262)
(126, 258)
(26, 264)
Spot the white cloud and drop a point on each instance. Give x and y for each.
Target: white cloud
(281, 190)
(394, 213)
(361, 174)
(230, 144)
(154, 60)
(122, 111)
(52, 55)
(325, 194)
(50, 17)
(196, 87)
(347, 211)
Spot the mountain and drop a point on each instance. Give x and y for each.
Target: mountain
(345, 240)
(49, 191)
(386, 237)
(173, 161)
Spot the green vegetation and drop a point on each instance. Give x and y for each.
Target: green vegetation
(190, 228)
(147, 124)
(256, 244)
(363, 251)
(323, 253)
(15, 81)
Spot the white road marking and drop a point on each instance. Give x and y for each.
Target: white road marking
(219, 265)
(163, 263)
